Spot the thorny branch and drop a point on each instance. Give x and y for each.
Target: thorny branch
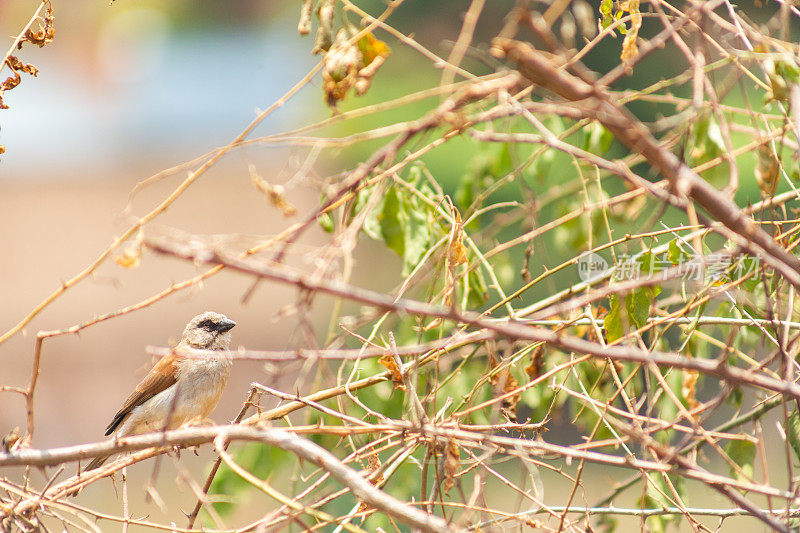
(665, 380)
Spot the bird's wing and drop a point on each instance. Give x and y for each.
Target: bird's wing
(163, 375)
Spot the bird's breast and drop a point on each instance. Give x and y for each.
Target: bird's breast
(201, 383)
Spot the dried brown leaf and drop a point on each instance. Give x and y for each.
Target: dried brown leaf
(304, 24)
(767, 170)
(275, 194)
(342, 63)
(46, 31)
(452, 459)
(503, 382)
(130, 257)
(325, 14)
(16, 64)
(397, 376)
(457, 253)
(688, 387)
(372, 49)
(11, 82)
(630, 50)
(11, 439)
(534, 370)
(374, 465)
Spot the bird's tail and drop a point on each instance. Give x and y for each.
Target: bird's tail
(96, 462)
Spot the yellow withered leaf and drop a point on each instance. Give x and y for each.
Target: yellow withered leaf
(452, 458)
(767, 170)
(372, 48)
(457, 253)
(629, 47)
(397, 377)
(130, 258)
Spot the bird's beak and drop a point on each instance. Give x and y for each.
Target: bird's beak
(225, 325)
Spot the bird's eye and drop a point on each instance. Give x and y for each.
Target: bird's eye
(206, 324)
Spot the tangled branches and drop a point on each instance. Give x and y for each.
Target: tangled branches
(596, 292)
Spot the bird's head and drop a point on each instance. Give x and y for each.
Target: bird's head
(208, 331)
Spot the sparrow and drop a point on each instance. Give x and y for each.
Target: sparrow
(179, 388)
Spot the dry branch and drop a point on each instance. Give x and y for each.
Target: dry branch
(717, 368)
(595, 103)
(272, 436)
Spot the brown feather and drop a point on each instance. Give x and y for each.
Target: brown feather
(163, 375)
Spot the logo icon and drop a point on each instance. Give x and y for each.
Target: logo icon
(591, 266)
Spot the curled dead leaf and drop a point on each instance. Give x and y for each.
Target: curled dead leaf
(11, 439)
(503, 382)
(373, 466)
(15, 64)
(452, 459)
(130, 257)
(325, 14)
(46, 31)
(11, 82)
(342, 63)
(534, 370)
(457, 253)
(397, 376)
(630, 49)
(767, 170)
(304, 24)
(275, 194)
(351, 65)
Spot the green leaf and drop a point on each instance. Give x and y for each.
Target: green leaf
(675, 254)
(654, 498)
(735, 398)
(605, 11)
(617, 16)
(403, 225)
(708, 142)
(788, 70)
(415, 173)
(743, 453)
(792, 430)
(372, 225)
(477, 288)
(613, 320)
(782, 75)
(648, 263)
(744, 266)
(637, 304)
(325, 221)
(598, 139)
(392, 221)
(417, 238)
(495, 162)
(715, 136)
